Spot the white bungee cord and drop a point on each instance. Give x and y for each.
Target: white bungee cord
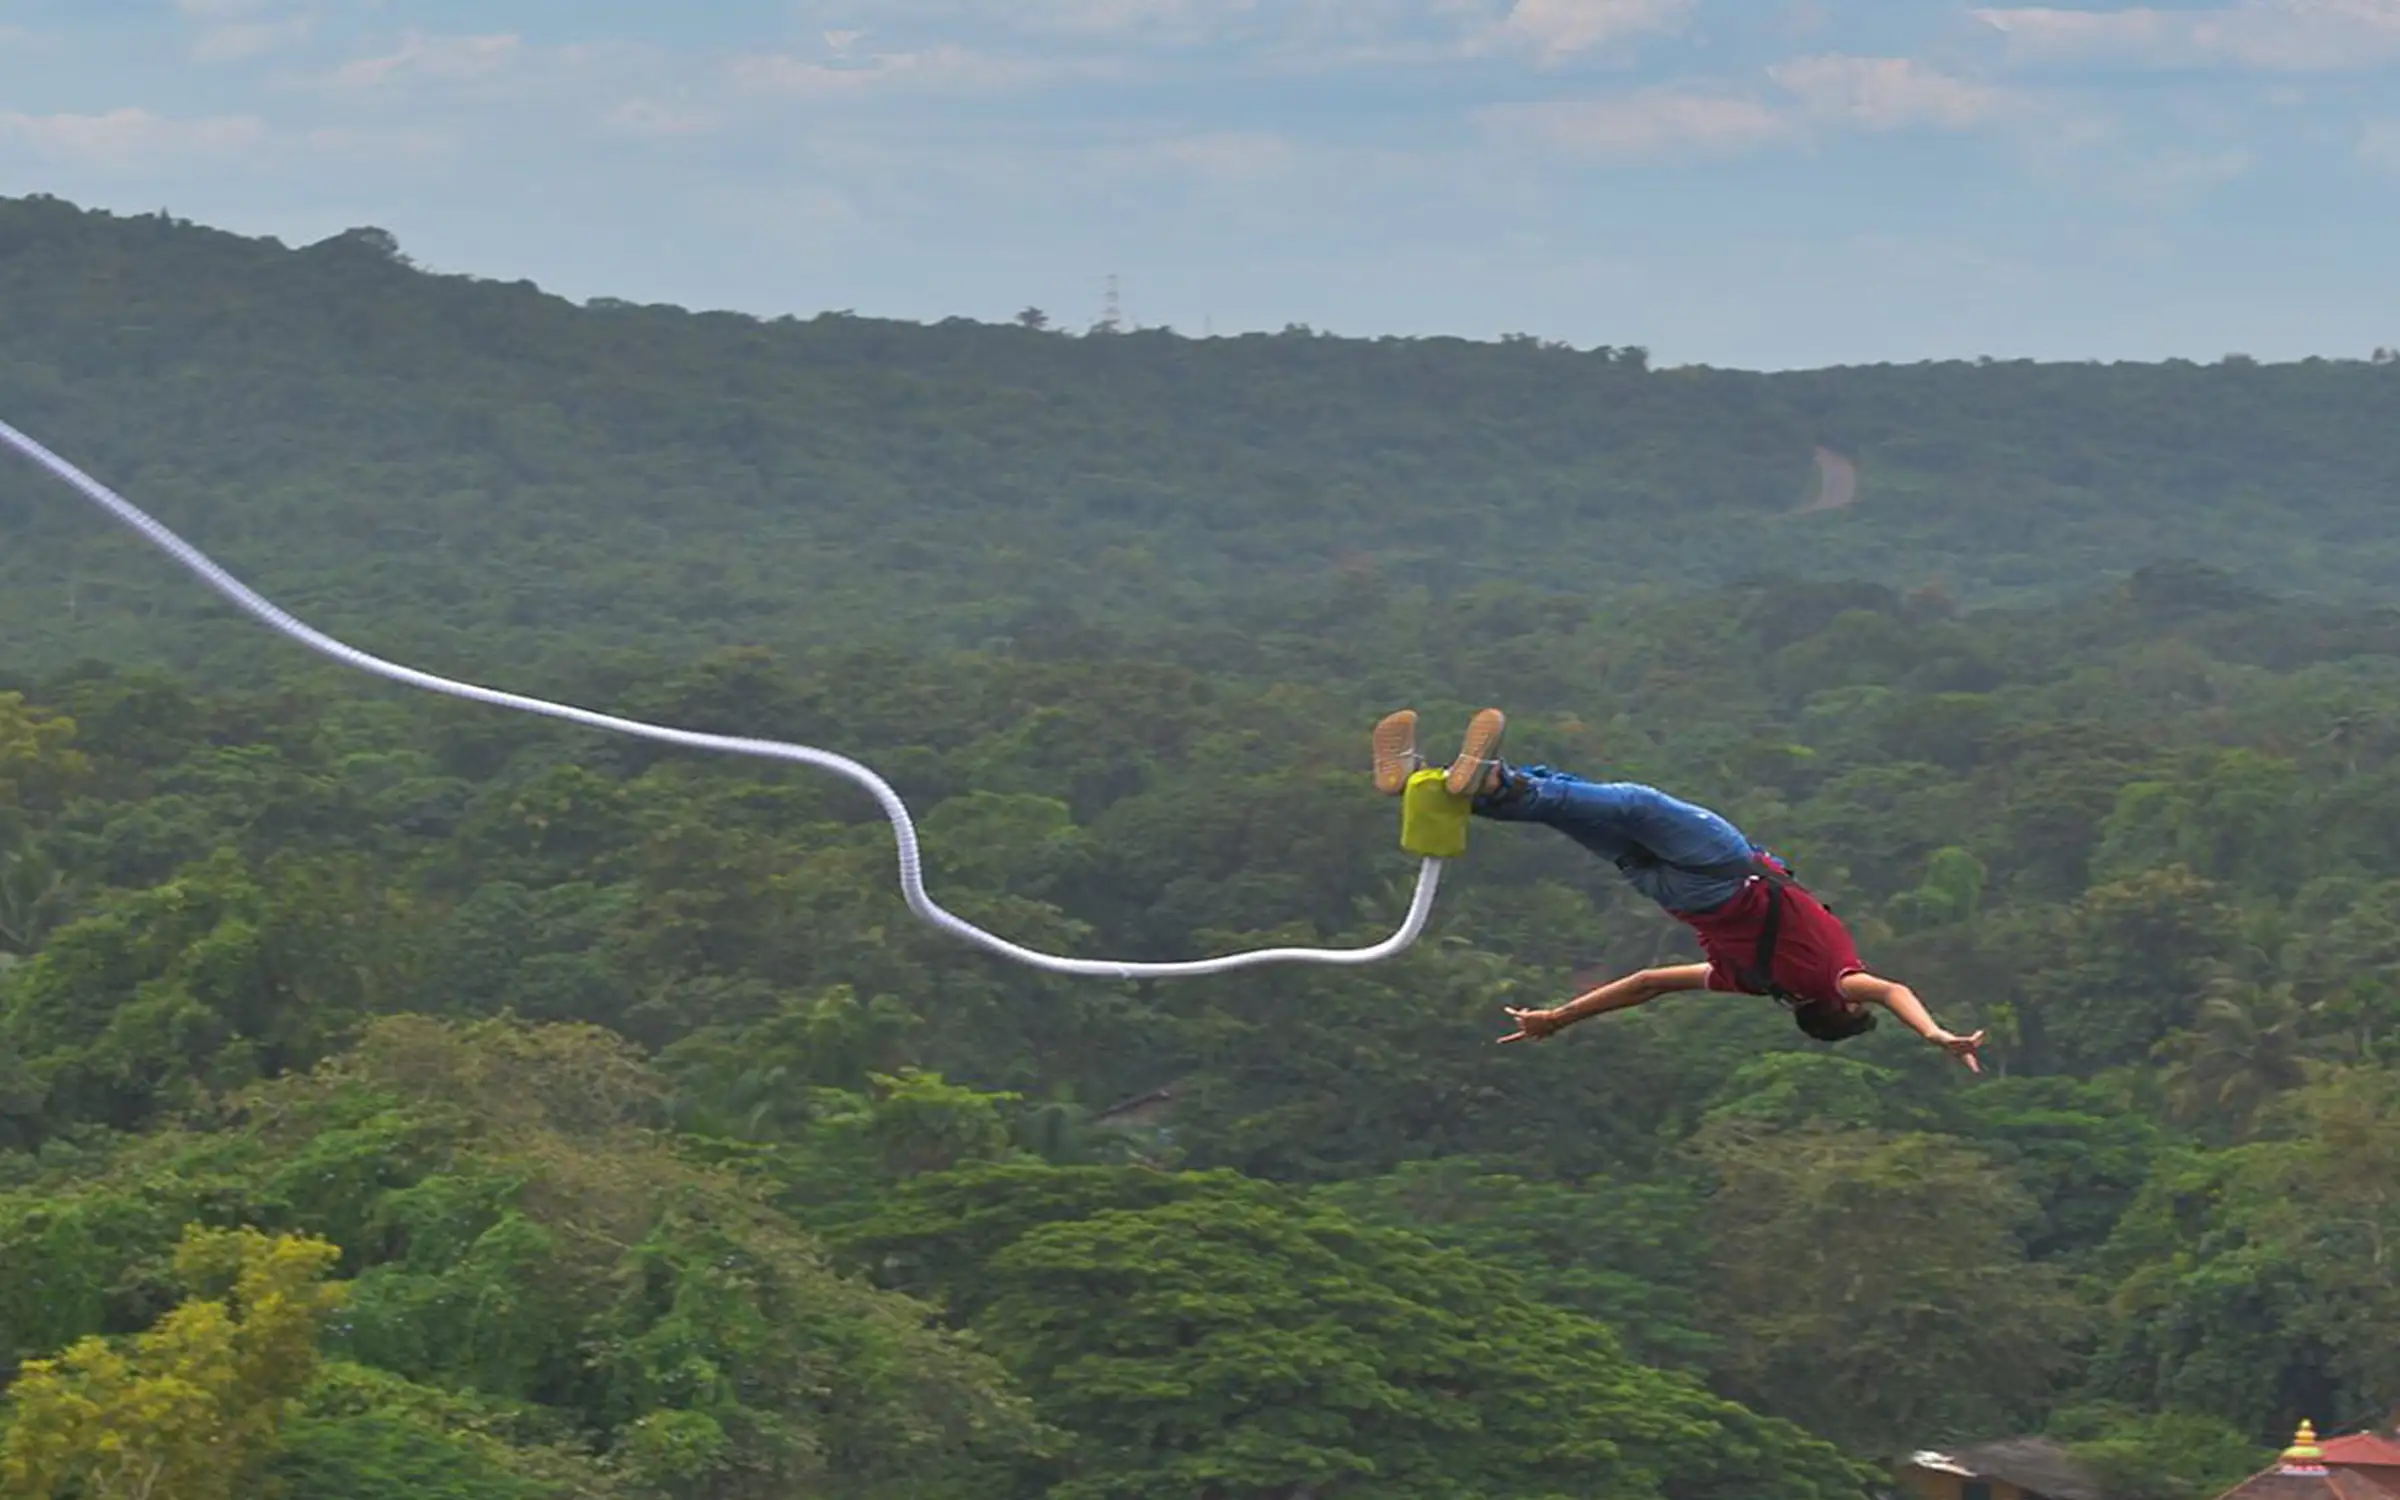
(904, 828)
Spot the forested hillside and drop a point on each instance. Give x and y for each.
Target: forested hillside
(497, 477)
(403, 1101)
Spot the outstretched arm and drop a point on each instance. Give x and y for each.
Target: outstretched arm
(1618, 994)
(1902, 1001)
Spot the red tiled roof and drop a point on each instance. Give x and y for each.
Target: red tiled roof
(2282, 1484)
(2362, 1450)
(2308, 1472)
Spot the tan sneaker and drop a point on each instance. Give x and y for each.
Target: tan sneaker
(1477, 769)
(1396, 757)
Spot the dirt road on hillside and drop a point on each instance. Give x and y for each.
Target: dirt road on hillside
(1837, 484)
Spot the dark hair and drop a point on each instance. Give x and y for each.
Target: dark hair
(1833, 1023)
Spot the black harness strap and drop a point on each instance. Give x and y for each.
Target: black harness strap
(1761, 972)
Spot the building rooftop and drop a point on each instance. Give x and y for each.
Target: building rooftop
(2304, 1473)
(2031, 1464)
(2362, 1450)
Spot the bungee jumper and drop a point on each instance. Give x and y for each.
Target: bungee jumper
(1761, 931)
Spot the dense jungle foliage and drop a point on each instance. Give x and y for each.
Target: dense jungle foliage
(478, 472)
(403, 1101)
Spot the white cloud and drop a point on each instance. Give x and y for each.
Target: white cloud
(125, 138)
(2298, 36)
(1654, 123)
(1116, 17)
(1181, 21)
(1884, 93)
(935, 68)
(1289, 31)
(1562, 28)
(2043, 32)
(448, 59)
(1091, 16)
(1875, 93)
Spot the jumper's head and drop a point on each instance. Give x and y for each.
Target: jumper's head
(1833, 1023)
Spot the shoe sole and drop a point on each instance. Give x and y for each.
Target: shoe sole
(1395, 752)
(1478, 753)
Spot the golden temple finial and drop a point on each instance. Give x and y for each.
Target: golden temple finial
(2304, 1455)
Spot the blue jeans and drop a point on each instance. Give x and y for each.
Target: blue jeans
(1617, 818)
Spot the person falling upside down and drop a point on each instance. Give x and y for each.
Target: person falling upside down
(1762, 933)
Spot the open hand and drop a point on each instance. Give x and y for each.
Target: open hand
(1960, 1047)
(1532, 1025)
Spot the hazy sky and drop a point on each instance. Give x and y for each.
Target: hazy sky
(1745, 182)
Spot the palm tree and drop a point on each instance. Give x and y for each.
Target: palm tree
(2248, 1043)
(33, 898)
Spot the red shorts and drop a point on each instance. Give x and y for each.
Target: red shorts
(1814, 952)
